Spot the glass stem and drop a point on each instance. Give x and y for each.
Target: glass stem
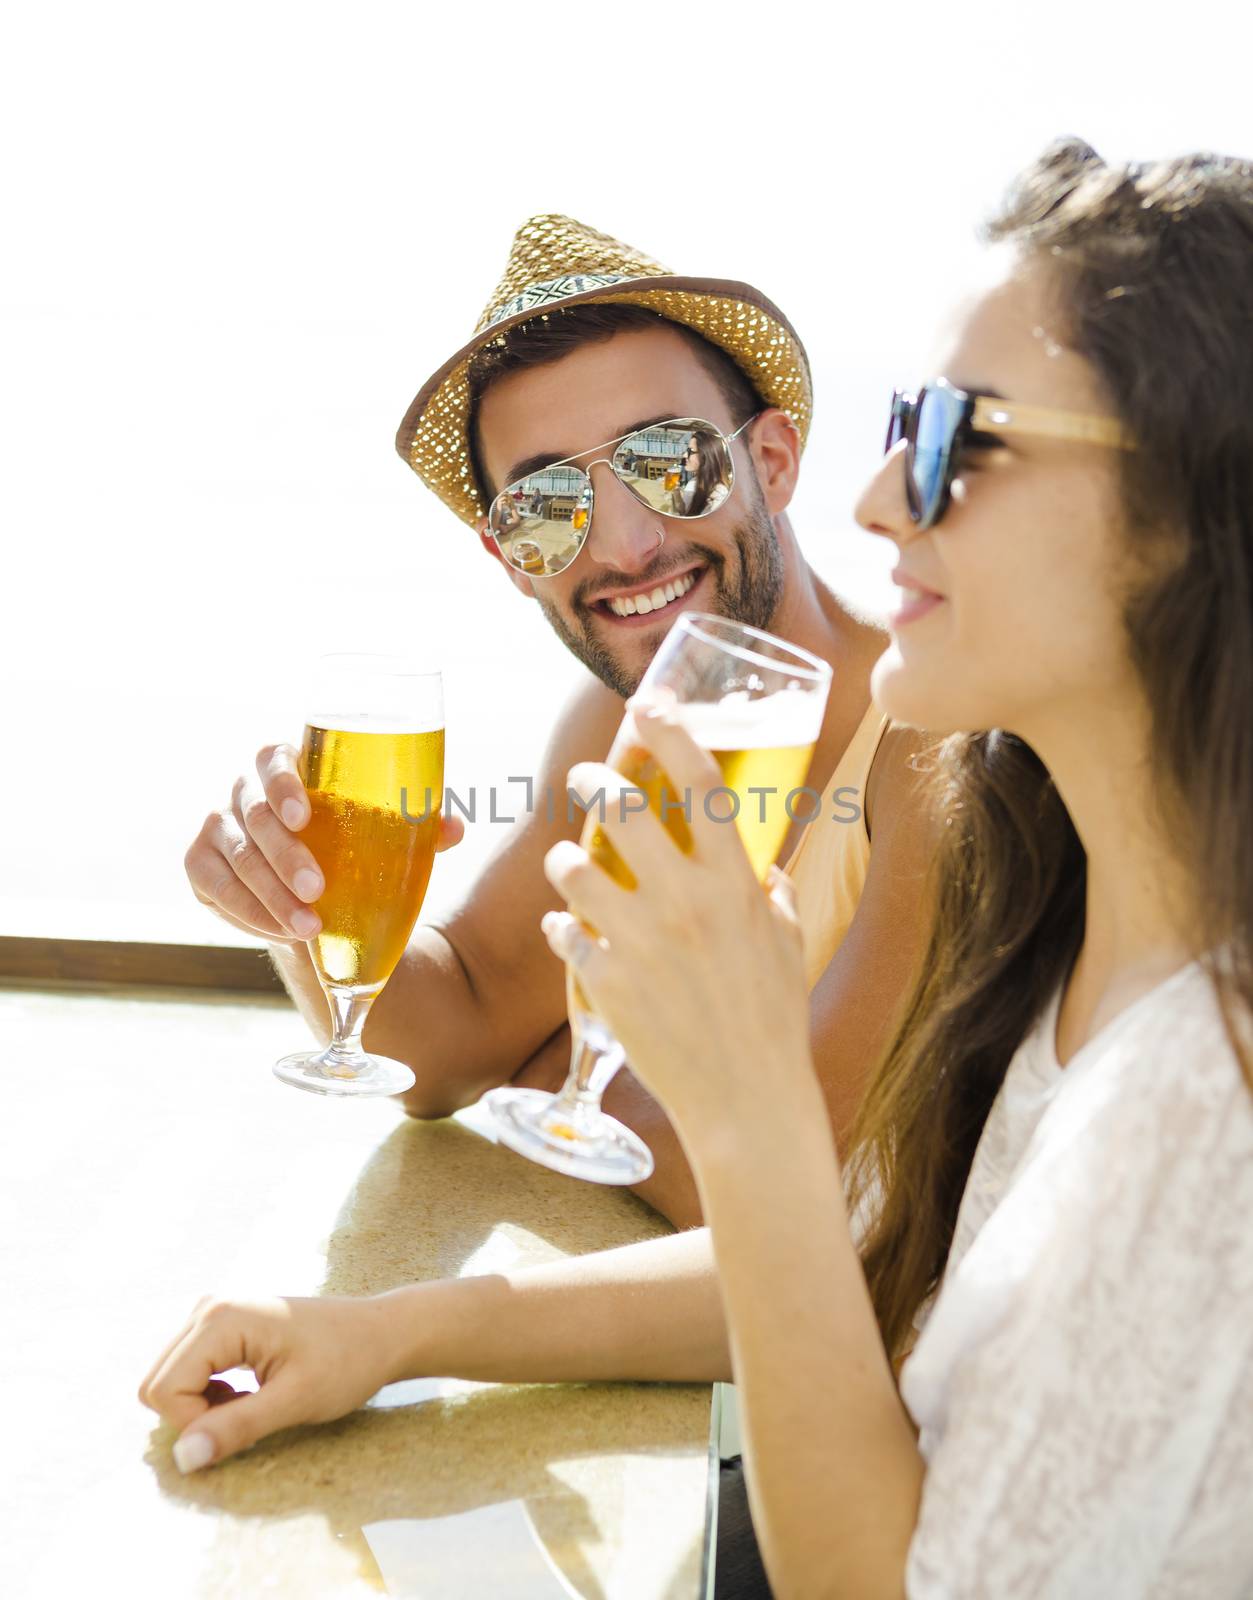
(349, 1009)
(591, 1068)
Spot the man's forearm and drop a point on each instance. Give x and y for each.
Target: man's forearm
(671, 1189)
(294, 966)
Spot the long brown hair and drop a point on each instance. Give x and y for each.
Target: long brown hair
(1155, 269)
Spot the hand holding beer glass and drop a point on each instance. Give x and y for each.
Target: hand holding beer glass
(756, 704)
(372, 761)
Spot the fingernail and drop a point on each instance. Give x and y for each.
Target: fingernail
(305, 923)
(308, 884)
(193, 1451)
(293, 813)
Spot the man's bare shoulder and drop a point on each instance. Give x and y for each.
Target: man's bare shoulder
(858, 636)
(584, 728)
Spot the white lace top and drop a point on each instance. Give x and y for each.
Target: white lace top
(1084, 1382)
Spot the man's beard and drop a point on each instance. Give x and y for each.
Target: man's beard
(751, 597)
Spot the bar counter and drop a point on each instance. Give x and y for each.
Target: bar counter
(149, 1157)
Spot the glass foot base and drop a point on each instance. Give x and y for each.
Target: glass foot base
(377, 1075)
(592, 1146)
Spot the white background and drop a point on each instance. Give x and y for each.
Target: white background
(238, 237)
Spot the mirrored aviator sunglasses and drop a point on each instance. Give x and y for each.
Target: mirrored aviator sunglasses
(681, 468)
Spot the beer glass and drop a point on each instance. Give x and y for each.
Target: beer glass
(756, 704)
(372, 760)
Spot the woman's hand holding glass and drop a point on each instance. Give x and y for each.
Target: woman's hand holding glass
(698, 971)
(755, 704)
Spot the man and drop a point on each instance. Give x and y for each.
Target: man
(587, 341)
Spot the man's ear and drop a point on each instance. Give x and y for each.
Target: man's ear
(775, 442)
(519, 580)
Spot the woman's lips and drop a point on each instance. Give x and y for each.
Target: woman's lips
(915, 603)
(916, 599)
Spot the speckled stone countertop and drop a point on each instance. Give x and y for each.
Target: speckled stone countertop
(148, 1157)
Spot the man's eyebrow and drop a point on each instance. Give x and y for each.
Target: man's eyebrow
(537, 463)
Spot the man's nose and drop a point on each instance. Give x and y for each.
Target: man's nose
(625, 534)
(882, 506)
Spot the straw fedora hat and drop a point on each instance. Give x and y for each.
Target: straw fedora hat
(556, 262)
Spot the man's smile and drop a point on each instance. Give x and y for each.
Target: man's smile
(659, 598)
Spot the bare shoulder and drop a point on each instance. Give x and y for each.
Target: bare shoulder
(861, 636)
(584, 729)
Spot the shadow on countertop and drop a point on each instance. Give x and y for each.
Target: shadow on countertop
(433, 1200)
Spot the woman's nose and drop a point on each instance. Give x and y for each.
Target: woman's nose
(882, 507)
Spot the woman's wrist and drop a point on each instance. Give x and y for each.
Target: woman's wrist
(411, 1327)
(747, 1117)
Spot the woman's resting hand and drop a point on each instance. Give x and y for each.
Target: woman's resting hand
(315, 1360)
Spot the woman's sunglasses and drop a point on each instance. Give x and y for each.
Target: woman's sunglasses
(681, 468)
(940, 421)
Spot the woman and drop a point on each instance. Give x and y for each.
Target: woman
(702, 487)
(1057, 1155)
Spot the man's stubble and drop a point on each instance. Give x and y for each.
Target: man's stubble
(753, 598)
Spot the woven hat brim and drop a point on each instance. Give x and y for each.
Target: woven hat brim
(433, 437)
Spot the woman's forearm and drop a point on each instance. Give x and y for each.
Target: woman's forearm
(833, 1467)
(649, 1311)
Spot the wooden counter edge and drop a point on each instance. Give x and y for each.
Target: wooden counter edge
(231, 968)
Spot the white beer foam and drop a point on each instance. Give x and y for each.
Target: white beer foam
(780, 721)
(373, 722)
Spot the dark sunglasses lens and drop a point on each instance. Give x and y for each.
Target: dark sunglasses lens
(896, 420)
(683, 469)
(933, 440)
(540, 522)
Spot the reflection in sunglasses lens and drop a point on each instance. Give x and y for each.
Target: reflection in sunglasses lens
(539, 523)
(680, 469)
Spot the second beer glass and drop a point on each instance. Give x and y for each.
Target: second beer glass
(756, 704)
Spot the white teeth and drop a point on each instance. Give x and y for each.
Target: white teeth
(643, 604)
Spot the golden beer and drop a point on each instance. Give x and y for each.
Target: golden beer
(761, 820)
(376, 862)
